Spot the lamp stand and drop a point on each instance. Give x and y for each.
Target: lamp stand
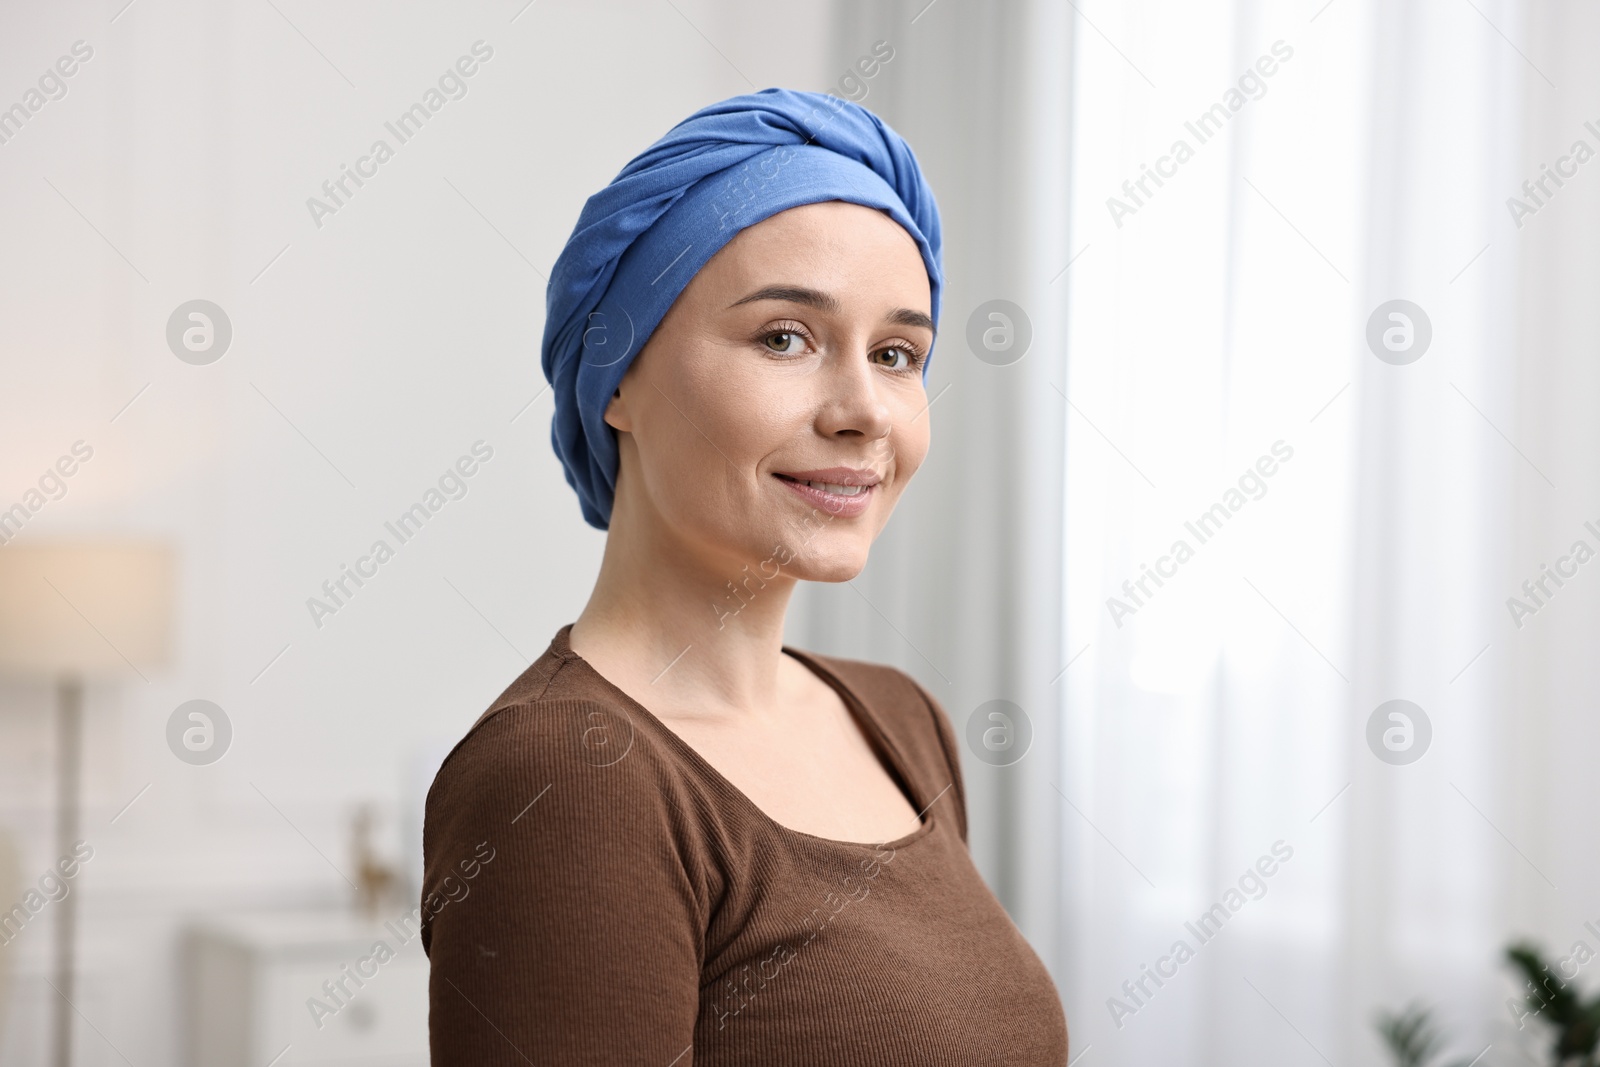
(69, 759)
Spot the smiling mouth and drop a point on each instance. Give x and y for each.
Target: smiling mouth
(842, 492)
(835, 488)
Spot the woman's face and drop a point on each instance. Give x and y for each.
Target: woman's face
(794, 356)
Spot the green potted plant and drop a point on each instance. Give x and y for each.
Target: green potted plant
(1412, 1038)
(1572, 1022)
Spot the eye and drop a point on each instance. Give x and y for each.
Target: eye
(900, 357)
(787, 339)
(783, 341)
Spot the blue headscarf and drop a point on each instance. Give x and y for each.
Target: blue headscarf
(640, 239)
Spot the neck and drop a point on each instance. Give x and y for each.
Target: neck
(682, 632)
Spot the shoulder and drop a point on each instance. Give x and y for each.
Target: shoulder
(568, 781)
(913, 718)
(551, 724)
(899, 700)
(574, 741)
(564, 860)
(578, 755)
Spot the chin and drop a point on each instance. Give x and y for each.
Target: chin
(819, 562)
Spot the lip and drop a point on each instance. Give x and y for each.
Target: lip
(833, 503)
(836, 475)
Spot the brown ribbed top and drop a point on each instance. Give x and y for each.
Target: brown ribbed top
(595, 892)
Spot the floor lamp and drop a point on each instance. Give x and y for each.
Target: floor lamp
(72, 612)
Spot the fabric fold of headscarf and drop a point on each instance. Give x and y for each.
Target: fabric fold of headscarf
(639, 241)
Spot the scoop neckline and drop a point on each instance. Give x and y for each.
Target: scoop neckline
(857, 708)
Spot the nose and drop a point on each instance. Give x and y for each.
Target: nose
(851, 405)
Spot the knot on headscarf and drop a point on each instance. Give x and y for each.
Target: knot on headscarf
(641, 239)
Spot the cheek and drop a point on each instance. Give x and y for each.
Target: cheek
(705, 436)
(910, 441)
(685, 472)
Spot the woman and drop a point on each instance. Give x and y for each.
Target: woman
(704, 846)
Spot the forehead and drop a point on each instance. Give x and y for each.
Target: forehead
(833, 245)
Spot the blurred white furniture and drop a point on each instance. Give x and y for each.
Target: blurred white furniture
(69, 611)
(250, 978)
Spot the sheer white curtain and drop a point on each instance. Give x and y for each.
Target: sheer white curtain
(1230, 313)
(1352, 517)
(1229, 711)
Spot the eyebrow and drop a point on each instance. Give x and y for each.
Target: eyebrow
(827, 302)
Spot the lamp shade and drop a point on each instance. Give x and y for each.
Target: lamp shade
(85, 608)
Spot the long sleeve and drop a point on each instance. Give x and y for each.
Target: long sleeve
(561, 913)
